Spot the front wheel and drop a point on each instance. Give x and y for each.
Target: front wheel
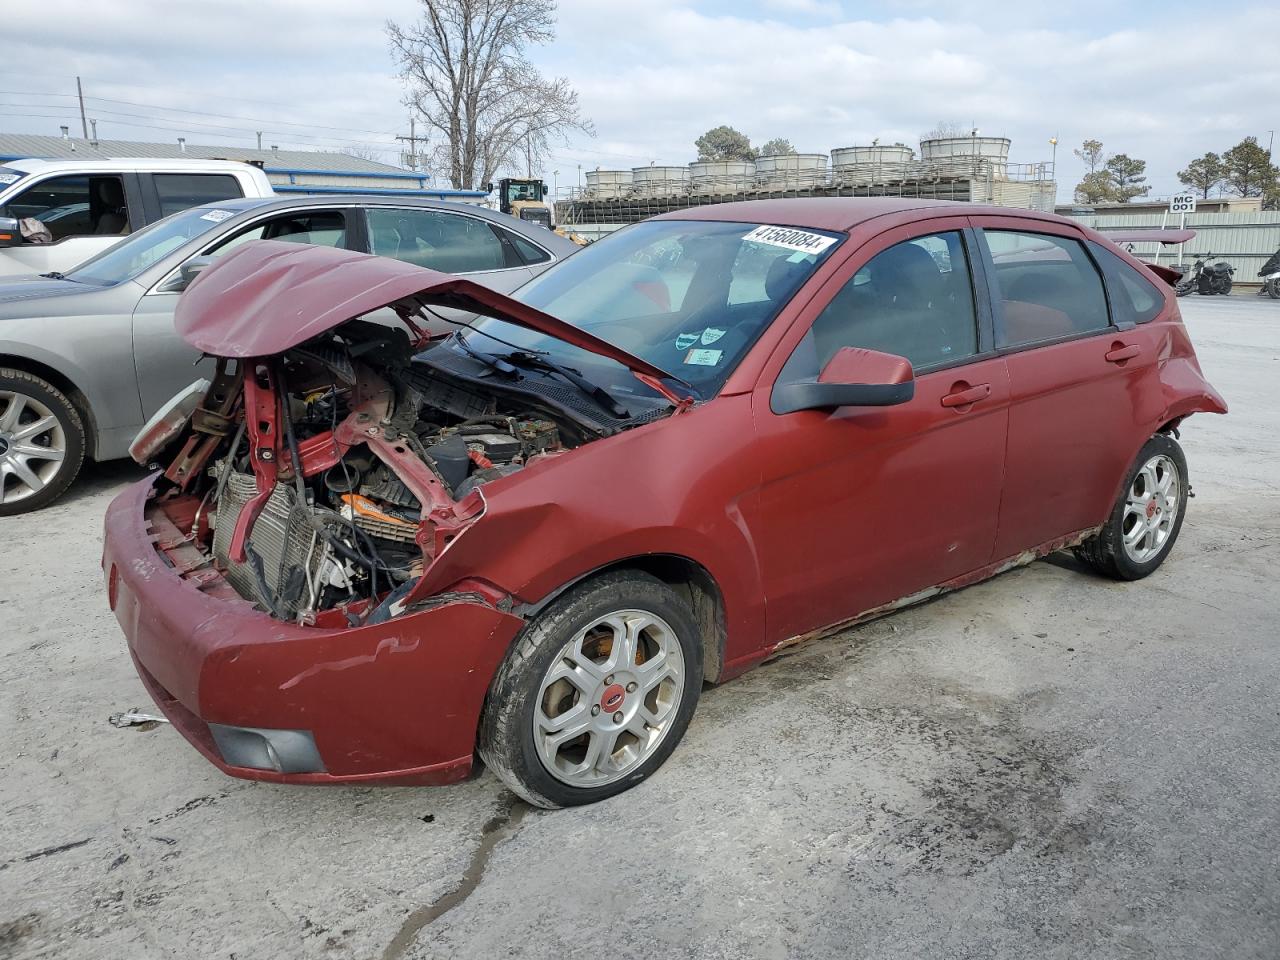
(1147, 518)
(595, 694)
(42, 442)
(1225, 289)
(1273, 288)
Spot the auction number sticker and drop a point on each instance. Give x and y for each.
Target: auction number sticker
(7, 178)
(703, 358)
(790, 238)
(217, 216)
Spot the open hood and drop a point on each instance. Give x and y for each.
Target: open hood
(267, 296)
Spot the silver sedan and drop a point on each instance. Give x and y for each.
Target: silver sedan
(87, 357)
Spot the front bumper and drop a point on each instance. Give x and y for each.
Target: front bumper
(396, 702)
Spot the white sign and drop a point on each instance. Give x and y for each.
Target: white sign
(1183, 203)
(789, 238)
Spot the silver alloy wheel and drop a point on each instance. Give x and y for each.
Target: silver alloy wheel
(1150, 509)
(33, 446)
(609, 698)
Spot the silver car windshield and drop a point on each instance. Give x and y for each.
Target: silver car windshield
(689, 296)
(131, 256)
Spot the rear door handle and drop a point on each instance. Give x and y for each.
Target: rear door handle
(963, 395)
(1119, 354)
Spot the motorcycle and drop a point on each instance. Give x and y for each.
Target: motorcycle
(1205, 278)
(1270, 276)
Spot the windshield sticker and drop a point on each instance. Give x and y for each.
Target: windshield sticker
(217, 216)
(703, 358)
(686, 340)
(8, 178)
(790, 239)
(711, 335)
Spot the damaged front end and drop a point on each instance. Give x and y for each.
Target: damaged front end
(324, 479)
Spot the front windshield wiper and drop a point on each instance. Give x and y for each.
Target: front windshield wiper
(534, 361)
(490, 361)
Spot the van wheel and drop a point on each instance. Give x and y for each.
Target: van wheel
(41, 442)
(1147, 518)
(595, 694)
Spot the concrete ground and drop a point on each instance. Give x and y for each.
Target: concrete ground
(1046, 765)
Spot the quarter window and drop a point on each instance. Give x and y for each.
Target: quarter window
(433, 238)
(914, 300)
(178, 191)
(1134, 298)
(1048, 288)
(529, 252)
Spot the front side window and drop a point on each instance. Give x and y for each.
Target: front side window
(913, 300)
(74, 206)
(1048, 288)
(688, 296)
(1134, 298)
(178, 191)
(325, 228)
(442, 241)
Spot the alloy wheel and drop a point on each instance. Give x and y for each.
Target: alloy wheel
(1150, 509)
(609, 698)
(33, 446)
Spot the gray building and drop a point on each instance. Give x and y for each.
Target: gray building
(290, 171)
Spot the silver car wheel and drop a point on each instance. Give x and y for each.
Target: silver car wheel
(609, 698)
(33, 446)
(1150, 509)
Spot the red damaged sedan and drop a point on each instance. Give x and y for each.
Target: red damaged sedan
(410, 521)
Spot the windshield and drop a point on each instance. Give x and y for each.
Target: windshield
(9, 176)
(688, 296)
(128, 258)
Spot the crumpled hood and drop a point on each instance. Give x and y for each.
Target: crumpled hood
(267, 296)
(15, 290)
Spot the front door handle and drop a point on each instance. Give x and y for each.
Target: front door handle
(962, 395)
(1119, 352)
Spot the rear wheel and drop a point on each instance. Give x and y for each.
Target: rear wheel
(595, 694)
(1147, 518)
(1273, 289)
(42, 442)
(1226, 287)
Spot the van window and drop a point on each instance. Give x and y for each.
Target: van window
(74, 206)
(181, 190)
(1048, 288)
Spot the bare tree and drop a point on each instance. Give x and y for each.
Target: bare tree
(469, 80)
(949, 128)
(365, 151)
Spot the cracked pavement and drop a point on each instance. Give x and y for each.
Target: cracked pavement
(1046, 764)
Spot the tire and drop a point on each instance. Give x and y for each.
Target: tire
(36, 465)
(1108, 552)
(1226, 287)
(568, 663)
(1273, 289)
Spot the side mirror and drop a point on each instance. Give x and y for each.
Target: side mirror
(854, 377)
(10, 233)
(186, 273)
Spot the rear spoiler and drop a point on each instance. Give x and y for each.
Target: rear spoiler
(1148, 236)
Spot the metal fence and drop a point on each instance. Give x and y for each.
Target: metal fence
(1244, 240)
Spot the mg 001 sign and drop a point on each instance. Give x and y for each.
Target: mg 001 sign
(1183, 203)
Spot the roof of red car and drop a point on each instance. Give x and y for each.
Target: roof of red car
(835, 213)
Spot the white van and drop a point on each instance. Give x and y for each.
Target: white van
(84, 206)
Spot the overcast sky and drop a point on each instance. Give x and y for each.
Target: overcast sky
(1161, 81)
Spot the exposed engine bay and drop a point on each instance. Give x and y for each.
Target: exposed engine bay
(329, 477)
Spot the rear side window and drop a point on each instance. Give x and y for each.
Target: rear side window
(1048, 288)
(1134, 298)
(181, 190)
(913, 300)
(447, 242)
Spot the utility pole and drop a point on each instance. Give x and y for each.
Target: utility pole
(1271, 142)
(412, 139)
(84, 124)
(259, 139)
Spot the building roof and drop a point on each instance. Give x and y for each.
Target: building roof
(15, 145)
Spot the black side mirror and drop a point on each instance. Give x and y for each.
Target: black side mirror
(186, 273)
(854, 377)
(10, 233)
